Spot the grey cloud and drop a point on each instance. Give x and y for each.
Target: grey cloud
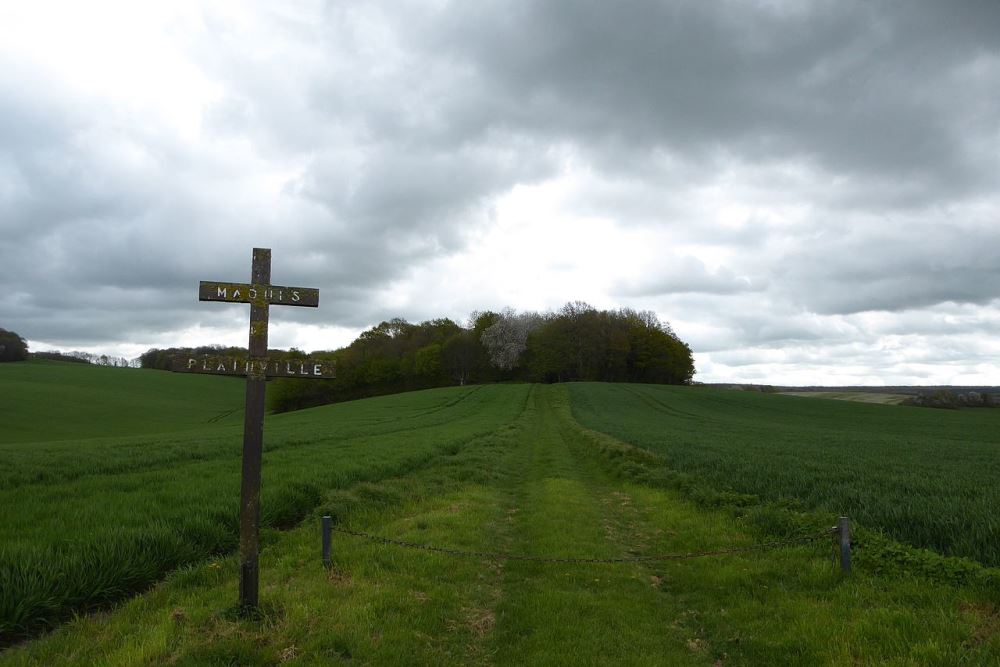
(948, 319)
(895, 266)
(674, 274)
(750, 319)
(420, 192)
(820, 82)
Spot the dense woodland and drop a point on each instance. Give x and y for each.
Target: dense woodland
(577, 342)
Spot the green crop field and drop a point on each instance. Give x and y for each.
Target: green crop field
(926, 477)
(53, 400)
(588, 470)
(87, 521)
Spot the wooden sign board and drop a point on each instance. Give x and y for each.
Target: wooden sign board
(316, 369)
(260, 295)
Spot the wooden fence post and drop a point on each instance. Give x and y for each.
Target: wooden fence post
(327, 523)
(844, 538)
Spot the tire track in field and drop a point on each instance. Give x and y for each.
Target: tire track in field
(464, 395)
(222, 415)
(659, 405)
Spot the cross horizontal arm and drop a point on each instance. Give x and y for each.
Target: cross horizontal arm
(316, 369)
(261, 295)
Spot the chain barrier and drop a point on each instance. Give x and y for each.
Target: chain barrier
(496, 555)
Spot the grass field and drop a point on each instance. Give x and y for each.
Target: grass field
(52, 400)
(925, 477)
(504, 468)
(86, 522)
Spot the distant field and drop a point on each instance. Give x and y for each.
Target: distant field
(57, 400)
(926, 477)
(860, 396)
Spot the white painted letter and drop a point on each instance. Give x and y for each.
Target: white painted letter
(295, 295)
(220, 291)
(317, 369)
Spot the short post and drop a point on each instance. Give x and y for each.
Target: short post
(844, 538)
(327, 523)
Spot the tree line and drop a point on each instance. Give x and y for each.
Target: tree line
(577, 342)
(14, 348)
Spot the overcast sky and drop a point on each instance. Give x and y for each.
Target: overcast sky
(807, 191)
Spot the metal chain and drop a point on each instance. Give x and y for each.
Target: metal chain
(494, 555)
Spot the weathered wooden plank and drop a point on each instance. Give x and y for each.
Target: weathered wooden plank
(253, 436)
(316, 369)
(260, 294)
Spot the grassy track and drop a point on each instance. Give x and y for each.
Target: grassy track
(557, 505)
(533, 483)
(926, 477)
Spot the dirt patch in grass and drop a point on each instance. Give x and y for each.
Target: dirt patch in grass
(986, 621)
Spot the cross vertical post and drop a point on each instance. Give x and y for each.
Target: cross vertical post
(844, 541)
(257, 367)
(253, 440)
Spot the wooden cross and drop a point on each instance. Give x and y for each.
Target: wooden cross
(260, 294)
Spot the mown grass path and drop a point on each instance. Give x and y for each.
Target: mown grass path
(536, 484)
(562, 504)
